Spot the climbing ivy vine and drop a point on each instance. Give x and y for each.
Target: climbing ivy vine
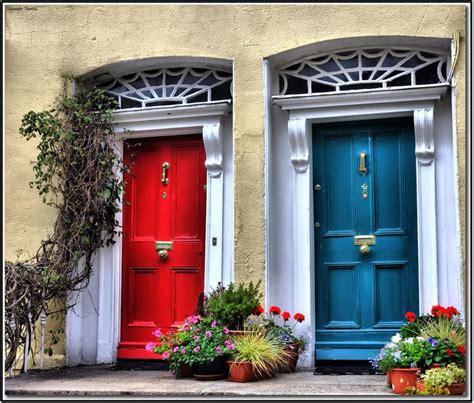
(79, 173)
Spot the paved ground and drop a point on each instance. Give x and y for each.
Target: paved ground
(107, 381)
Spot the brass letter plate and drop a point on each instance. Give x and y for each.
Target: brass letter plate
(164, 245)
(364, 240)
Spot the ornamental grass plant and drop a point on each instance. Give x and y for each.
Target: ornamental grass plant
(266, 353)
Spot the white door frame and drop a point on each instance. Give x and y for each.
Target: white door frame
(303, 112)
(157, 122)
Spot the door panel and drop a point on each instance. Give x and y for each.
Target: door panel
(362, 298)
(161, 292)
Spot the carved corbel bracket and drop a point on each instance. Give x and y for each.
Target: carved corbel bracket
(299, 144)
(424, 138)
(212, 136)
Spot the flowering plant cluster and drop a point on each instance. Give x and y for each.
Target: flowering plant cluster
(277, 323)
(198, 340)
(438, 337)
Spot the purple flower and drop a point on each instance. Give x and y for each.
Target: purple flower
(218, 349)
(176, 349)
(150, 347)
(225, 331)
(433, 342)
(157, 333)
(196, 349)
(183, 350)
(208, 334)
(214, 324)
(196, 338)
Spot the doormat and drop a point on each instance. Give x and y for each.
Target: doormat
(141, 365)
(343, 367)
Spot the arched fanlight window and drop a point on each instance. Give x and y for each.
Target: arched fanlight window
(364, 68)
(170, 86)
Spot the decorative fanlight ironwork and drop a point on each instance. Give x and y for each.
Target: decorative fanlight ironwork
(367, 68)
(170, 86)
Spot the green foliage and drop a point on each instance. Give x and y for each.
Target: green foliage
(442, 329)
(265, 352)
(231, 306)
(198, 341)
(444, 376)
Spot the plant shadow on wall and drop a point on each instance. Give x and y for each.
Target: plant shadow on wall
(79, 173)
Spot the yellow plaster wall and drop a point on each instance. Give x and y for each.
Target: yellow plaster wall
(45, 42)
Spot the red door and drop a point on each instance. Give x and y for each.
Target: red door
(164, 201)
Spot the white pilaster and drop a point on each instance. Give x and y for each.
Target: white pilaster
(212, 137)
(426, 202)
(300, 141)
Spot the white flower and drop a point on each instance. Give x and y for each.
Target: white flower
(409, 340)
(395, 339)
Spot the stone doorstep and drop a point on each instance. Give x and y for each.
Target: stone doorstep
(105, 380)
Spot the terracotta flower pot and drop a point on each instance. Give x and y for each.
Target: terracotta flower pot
(402, 378)
(456, 389)
(241, 372)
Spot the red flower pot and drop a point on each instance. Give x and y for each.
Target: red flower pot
(241, 372)
(456, 389)
(402, 378)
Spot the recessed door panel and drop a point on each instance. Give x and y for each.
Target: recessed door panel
(163, 238)
(364, 186)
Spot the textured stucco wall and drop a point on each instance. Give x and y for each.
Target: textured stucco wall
(45, 42)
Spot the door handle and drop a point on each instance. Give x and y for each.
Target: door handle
(163, 247)
(362, 164)
(164, 173)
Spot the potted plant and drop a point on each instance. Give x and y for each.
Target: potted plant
(257, 355)
(232, 305)
(407, 355)
(441, 381)
(445, 332)
(200, 345)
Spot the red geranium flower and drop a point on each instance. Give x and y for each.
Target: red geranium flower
(299, 317)
(258, 310)
(275, 310)
(451, 311)
(438, 310)
(461, 349)
(286, 315)
(411, 316)
(450, 352)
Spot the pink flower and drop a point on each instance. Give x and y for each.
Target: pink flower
(183, 350)
(231, 346)
(225, 331)
(157, 333)
(176, 349)
(150, 347)
(196, 349)
(166, 355)
(208, 334)
(227, 343)
(214, 324)
(218, 349)
(196, 338)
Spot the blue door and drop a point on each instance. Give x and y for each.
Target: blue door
(365, 235)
